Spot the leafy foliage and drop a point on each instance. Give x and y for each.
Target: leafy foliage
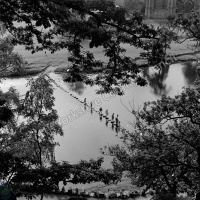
(46, 179)
(27, 146)
(54, 25)
(29, 181)
(8, 102)
(189, 25)
(163, 151)
(39, 122)
(10, 62)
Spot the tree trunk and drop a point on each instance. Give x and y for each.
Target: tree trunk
(42, 194)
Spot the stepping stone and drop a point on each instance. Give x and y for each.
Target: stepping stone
(118, 194)
(92, 194)
(126, 194)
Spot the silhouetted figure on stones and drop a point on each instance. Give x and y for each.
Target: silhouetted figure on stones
(116, 120)
(100, 117)
(118, 126)
(106, 113)
(113, 117)
(85, 101)
(112, 126)
(106, 122)
(100, 110)
(116, 129)
(91, 107)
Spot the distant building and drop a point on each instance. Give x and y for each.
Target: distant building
(161, 9)
(132, 5)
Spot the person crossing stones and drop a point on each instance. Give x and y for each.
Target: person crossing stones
(91, 105)
(113, 117)
(116, 120)
(85, 101)
(118, 123)
(100, 110)
(107, 113)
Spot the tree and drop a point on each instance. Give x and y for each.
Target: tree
(163, 151)
(10, 62)
(40, 123)
(35, 135)
(156, 80)
(27, 147)
(43, 23)
(7, 101)
(30, 181)
(188, 25)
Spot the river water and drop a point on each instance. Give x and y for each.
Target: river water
(86, 134)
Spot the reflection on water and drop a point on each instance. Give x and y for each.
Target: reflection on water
(157, 77)
(156, 80)
(77, 87)
(189, 72)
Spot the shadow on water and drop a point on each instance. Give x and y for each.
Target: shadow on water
(157, 77)
(77, 87)
(156, 80)
(189, 72)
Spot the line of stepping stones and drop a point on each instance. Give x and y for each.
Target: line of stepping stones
(98, 194)
(117, 125)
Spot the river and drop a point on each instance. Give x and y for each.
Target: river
(86, 134)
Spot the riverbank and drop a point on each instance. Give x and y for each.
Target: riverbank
(44, 61)
(31, 70)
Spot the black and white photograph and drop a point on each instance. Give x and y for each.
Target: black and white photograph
(99, 99)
